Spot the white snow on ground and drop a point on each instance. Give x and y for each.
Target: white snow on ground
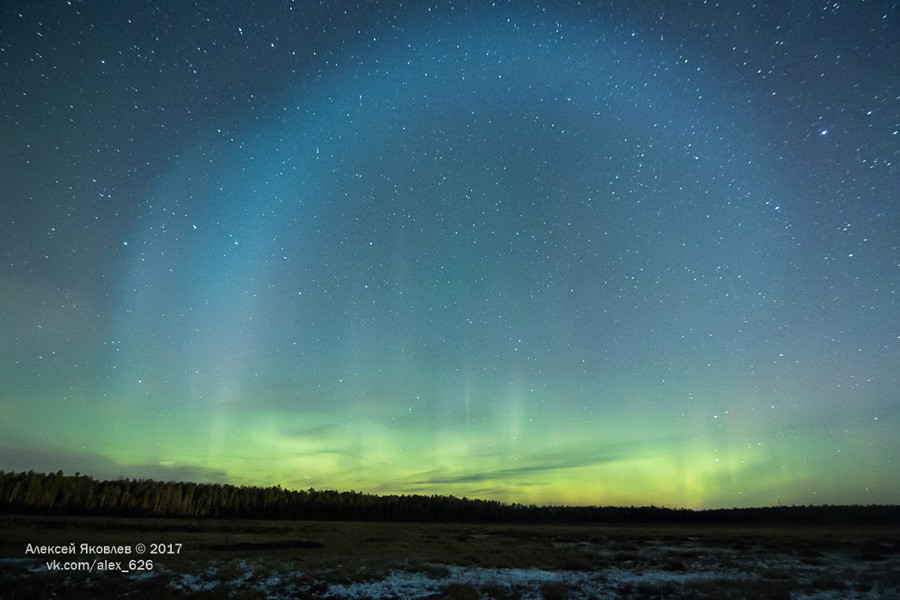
(140, 575)
(527, 582)
(265, 582)
(194, 583)
(855, 580)
(402, 583)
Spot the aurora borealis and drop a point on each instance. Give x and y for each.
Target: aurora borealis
(612, 253)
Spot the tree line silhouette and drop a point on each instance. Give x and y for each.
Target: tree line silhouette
(60, 494)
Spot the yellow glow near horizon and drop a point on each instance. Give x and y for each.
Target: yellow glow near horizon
(637, 466)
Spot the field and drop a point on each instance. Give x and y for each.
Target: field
(308, 559)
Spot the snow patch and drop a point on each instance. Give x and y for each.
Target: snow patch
(527, 582)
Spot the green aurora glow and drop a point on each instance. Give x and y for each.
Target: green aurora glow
(539, 255)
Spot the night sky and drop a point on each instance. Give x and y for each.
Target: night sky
(594, 253)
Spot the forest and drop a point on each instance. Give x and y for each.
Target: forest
(61, 494)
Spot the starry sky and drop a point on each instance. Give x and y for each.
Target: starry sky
(540, 252)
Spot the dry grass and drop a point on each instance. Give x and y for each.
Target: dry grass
(251, 559)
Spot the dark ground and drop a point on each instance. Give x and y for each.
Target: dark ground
(308, 559)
